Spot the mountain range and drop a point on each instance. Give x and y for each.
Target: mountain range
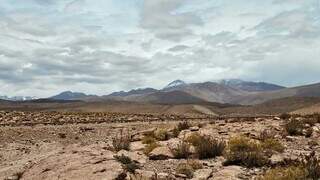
(231, 91)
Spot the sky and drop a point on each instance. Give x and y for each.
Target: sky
(101, 46)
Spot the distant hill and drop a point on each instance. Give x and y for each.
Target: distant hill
(312, 90)
(232, 91)
(69, 95)
(250, 86)
(172, 97)
(133, 92)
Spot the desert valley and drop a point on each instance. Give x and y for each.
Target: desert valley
(227, 130)
(159, 90)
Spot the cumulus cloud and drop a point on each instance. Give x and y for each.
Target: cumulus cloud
(163, 19)
(102, 46)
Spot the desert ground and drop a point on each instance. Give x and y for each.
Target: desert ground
(112, 145)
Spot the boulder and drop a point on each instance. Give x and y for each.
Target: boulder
(171, 143)
(228, 172)
(137, 146)
(161, 153)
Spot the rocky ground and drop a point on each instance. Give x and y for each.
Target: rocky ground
(35, 145)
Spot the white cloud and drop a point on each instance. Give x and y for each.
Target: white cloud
(101, 46)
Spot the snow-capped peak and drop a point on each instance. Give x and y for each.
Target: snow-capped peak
(175, 83)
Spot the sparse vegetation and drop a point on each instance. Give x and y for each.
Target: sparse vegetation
(188, 168)
(194, 139)
(128, 164)
(148, 140)
(175, 132)
(266, 134)
(287, 173)
(121, 142)
(162, 134)
(294, 127)
(312, 166)
(309, 132)
(185, 169)
(195, 164)
(271, 144)
(245, 151)
(183, 125)
(305, 169)
(208, 147)
(150, 147)
(310, 121)
(285, 116)
(182, 151)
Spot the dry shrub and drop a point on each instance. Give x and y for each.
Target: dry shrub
(148, 140)
(287, 173)
(270, 145)
(294, 127)
(162, 134)
(285, 116)
(309, 132)
(208, 147)
(304, 169)
(183, 125)
(182, 151)
(150, 147)
(127, 163)
(245, 151)
(194, 139)
(121, 142)
(185, 169)
(312, 166)
(175, 132)
(266, 134)
(310, 121)
(195, 164)
(188, 168)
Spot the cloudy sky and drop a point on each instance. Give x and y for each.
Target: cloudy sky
(100, 46)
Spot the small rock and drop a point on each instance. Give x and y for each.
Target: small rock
(276, 159)
(194, 128)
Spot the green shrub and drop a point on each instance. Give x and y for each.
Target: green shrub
(288, 173)
(244, 151)
(121, 142)
(294, 127)
(127, 163)
(208, 147)
(182, 151)
(150, 147)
